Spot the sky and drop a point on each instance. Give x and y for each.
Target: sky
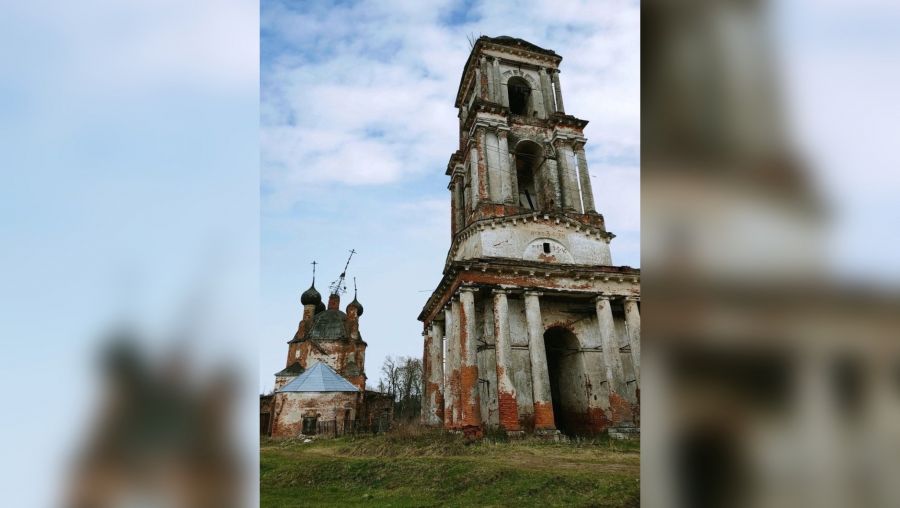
(356, 127)
(129, 161)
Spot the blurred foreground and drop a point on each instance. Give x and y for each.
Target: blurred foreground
(771, 373)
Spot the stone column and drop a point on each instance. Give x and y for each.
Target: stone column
(547, 91)
(615, 374)
(506, 176)
(435, 378)
(506, 389)
(481, 165)
(633, 323)
(475, 167)
(540, 375)
(587, 194)
(498, 88)
(570, 199)
(454, 206)
(427, 406)
(460, 202)
(550, 191)
(451, 385)
(478, 78)
(488, 72)
(558, 91)
(469, 400)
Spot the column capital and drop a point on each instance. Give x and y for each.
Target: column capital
(467, 289)
(533, 293)
(501, 291)
(632, 298)
(604, 297)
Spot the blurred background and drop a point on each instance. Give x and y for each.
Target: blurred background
(769, 253)
(129, 256)
(128, 259)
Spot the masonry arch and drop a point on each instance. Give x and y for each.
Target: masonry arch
(520, 96)
(565, 364)
(529, 160)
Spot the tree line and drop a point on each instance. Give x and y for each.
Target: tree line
(402, 378)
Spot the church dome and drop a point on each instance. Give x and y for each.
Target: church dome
(311, 296)
(329, 325)
(355, 303)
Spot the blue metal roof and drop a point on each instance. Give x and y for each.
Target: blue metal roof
(319, 378)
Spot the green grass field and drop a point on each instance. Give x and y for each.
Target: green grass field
(435, 469)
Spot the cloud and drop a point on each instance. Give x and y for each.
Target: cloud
(362, 94)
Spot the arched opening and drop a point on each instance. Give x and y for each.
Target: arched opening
(519, 96)
(529, 159)
(565, 366)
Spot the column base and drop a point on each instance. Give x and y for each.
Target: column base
(515, 434)
(548, 434)
(624, 432)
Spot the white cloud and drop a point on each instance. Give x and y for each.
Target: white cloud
(364, 94)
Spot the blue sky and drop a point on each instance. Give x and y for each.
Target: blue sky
(357, 125)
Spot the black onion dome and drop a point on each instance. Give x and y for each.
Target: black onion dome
(355, 303)
(311, 296)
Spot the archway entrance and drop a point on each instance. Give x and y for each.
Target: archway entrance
(566, 369)
(529, 158)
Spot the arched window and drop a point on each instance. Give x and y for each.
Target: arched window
(519, 96)
(529, 159)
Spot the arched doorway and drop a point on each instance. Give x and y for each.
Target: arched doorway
(529, 159)
(566, 368)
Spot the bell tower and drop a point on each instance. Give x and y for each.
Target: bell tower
(520, 157)
(532, 328)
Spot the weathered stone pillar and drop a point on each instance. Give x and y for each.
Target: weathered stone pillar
(633, 323)
(552, 196)
(558, 91)
(434, 381)
(454, 206)
(587, 194)
(506, 176)
(615, 374)
(570, 197)
(547, 91)
(498, 88)
(451, 380)
(483, 189)
(540, 376)
(469, 402)
(506, 390)
(478, 78)
(488, 74)
(426, 411)
(460, 201)
(475, 169)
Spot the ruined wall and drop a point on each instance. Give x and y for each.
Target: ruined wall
(347, 358)
(582, 391)
(289, 408)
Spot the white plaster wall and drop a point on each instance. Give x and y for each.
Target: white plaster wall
(512, 241)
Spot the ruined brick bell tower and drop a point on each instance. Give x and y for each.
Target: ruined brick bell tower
(531, 328)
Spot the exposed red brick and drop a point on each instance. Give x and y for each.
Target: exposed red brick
(543, 416)
(509, 411)
(334, 302)
(621, 409)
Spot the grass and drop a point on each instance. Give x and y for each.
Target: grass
(437, 469)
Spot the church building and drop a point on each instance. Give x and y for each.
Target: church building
(532, 327)
(322, 388)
